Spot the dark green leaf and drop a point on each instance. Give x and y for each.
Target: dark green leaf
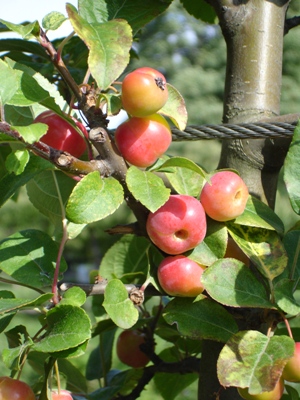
(68, 327)
(147, 188)
(284, 298)
(137, 13)
(94, 198)
(10, 183)
(200, 318)
(201, 10)
(291, 242)
(29, 257)
(251, 359)
(291, 171)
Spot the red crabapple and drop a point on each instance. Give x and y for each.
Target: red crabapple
(178, 226)
(142, 141)
(291, 371)
(61, 135)
(13, 389)
(62, 395)
(144, 92)
(180, 276)
(274, 394)
(225, 196)
(128, 349)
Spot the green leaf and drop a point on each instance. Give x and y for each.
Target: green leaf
(283, 292)
(35, 88)
(9, 82)
(94, 198)
(172, 385)
(175, 108)
(29, 257)
(5, 320)
(183, 162)
(26, 31)
(291, 171)
(10, 182)
(74, 296)
(137, 13)
(18, 115)
(291, 242)
(17, 161)
(126, 260)
(68, 327)
(46, 191)
(53, 20)
(25, 46)
(213, 246)
(231, 283)
(10, 305)
(31, 133)
(200, 318)
(147, 188)
(100, 360)
(109, 45)
(201, 10)
(262, 246)
(260, 215)
(118, 305)
(186, 181)
(251, 359)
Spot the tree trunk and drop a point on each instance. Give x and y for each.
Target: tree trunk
(253, 31)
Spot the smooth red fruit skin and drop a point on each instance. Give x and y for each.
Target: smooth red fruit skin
(178, 226)
(180, 276)
(141, 141)
(144, 92)
(61, 135)
(234, 251)
(63, 395)
(291, 371)
(13, 389)
(128, 350)
(225, 196)
(275, 394)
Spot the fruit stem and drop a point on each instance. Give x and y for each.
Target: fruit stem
(62, 243)
(288, 328)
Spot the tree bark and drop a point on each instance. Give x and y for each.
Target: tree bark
(253, 31)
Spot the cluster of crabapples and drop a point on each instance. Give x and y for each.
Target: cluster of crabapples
(180, 225)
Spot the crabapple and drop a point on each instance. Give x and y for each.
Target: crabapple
(180, 276)
(61, 135)
(128, 348)
(234, 251)
(274, 394)
(144, 92)
(177, 226)
(13, 389)
(291, 371)
(225, 196)
(62, 395)
(142, 141)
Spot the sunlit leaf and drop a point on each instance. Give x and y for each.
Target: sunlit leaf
(147, 188)
(175, 108)
(251, 359)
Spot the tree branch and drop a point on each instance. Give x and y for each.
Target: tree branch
(291, 23)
